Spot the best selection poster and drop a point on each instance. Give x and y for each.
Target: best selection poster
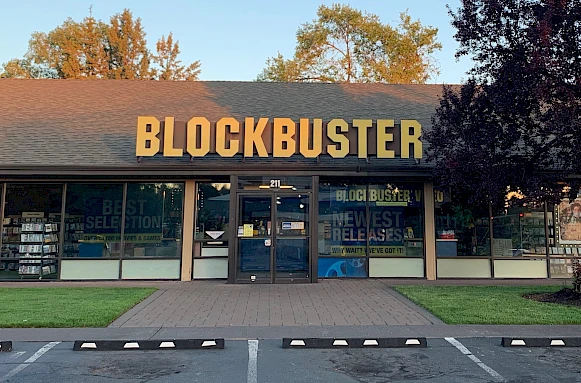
(143, 218)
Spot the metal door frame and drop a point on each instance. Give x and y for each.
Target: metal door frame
(273, 215)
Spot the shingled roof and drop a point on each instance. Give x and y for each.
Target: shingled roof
(82, 124)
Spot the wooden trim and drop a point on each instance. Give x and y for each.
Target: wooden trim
(233, 227)
(62, 231)
(430, 232)
(214, 170)
(123, 217)
(2, 208)
(188, 230)
(547, 245)
(314, 232)
(491, 238)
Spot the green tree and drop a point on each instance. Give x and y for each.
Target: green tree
(346, 45)
(94, 36)
(126, 47)
(17, 68)
(515, 125)
(71, 50)
(170, 67)
(92, 49)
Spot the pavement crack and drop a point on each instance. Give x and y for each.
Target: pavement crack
(158, 330)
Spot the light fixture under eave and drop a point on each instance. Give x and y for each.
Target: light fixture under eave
(286, 186)
(264, 187)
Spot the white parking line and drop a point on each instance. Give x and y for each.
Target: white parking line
(28, 361)
(465, 351)
(16, 355)
(252, 361)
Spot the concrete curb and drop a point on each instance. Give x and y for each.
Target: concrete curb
(354, 342)
(408, 302)
(135, 309)
(279, 332)
(541, 342)
(5, 346)
(169, 344)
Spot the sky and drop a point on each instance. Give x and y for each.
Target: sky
(232, 38)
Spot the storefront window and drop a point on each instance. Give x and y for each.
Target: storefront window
(153, 220)
(212, 219)
(31, 230)
(93, 221)
(564, 224)
(396, 222)
(358, 221)
(342, 220)
(342, 230)
(519, 231)
(568, 228)
(460, 232)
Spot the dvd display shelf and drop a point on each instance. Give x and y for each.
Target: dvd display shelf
(29, 249)
(38, 249)
(74, 232)
(9, 255)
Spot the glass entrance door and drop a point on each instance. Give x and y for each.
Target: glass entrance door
(276, 252)
(255, 238)
(292, 236)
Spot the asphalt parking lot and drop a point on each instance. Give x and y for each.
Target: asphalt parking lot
(265, 361)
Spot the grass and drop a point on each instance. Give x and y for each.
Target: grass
(490, 304)
(66, 307)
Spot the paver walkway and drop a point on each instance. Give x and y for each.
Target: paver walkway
(329, 302)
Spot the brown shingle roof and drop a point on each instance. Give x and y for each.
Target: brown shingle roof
(93, 123)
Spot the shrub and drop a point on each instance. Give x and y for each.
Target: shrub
(576, 276)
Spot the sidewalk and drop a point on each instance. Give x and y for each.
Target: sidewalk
(331, 308)
(328, 303)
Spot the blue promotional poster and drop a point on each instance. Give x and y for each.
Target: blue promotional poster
(347, 230)
(143, 219)
(342, 267)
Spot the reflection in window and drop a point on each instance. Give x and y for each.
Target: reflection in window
(396, 223)
(358, 220)
(292, 215)
(460, 232)
(342, 220)
(519, 230)
(93, 220)
(568, 228)
(212, 219)
(153, 220)
(30, 234)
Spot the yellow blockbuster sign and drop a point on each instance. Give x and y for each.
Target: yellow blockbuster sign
(278, 137)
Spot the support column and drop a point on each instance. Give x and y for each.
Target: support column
(314, 225)
(188, 230)
(233, 234)
(430, 231)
